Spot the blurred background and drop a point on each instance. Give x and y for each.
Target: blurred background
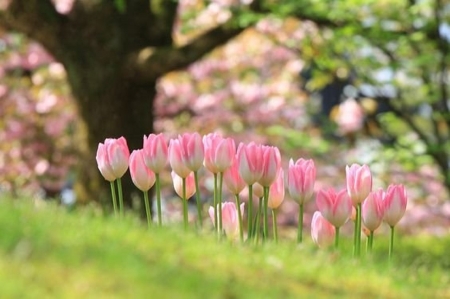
(356, 81)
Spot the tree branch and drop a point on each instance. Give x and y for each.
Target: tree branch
(36, 18)
(151, 63)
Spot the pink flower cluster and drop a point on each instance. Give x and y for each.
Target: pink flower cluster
(252, 165)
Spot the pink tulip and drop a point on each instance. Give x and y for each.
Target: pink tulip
(258, 190)
(372, 210)
(155, 152)
(394, 204)
(359, 182)
(192, 150)
(219, 152)
(176, 158)
(233, 179)
(142, 177)
(271, 164)
(301, 178)
(250, 162)
(178, 184)
(322, 231)
(230, 220)
(116, 154)
(276, 191)
(103, 163)
(335, 207)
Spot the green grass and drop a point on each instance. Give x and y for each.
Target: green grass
(47, 252)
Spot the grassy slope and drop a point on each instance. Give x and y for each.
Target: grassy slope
(49, 253)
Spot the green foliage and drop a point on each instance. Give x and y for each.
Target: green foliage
(48, 252)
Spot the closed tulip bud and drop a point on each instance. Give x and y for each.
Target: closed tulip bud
(335, 207)
(271, 159)
(178, 185)
(230, 220)
(176, 160)
(394, 204)
(372, 210)
(155, 152)
(219, 152)
(301, 178)
(359, 182)
(192, 150)
(258, 190)
(322, 231)
(142, 177)
(233, 179)
(250, 162)
(277, 191)
(103, 163)
(118, 155)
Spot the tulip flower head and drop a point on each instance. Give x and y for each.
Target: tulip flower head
(230, 218)
(322, 231)
(334, 206)
(394, 204)
(176, 158)
(300, 180)
(372, 210)
(155, 152)
(233, 179)
(359, 182)
(112, 158)
(178, 184)
(277, 191)
(250, 162)
(192, 150)
(142, 177)
(219, 152)
(271, 159)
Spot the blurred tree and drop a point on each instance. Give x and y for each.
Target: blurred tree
(114, 52)
(398, 55)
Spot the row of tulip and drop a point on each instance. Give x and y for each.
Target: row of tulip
(257, 167)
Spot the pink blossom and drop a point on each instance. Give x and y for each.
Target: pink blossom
(233, 179)
(112, 158)
(178, 184)
(176, 160)
(394, 204)
(142, 177)
(359, 182)
(190, 151)
(250, 162)
(155, 152)
(271, 159)
(301, 178)
(372, 210)
(230, 220)
(276, 191)
(335, 207)
(322, 231)
(219, 152)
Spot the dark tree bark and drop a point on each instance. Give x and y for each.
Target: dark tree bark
(113, 60)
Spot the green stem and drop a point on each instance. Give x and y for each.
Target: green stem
(147, 209)
(215, 204)
(257, 224)
(275, 226)
(250, 211)
(158, 198)
(119, 189)
(238, 208)
(265, 211)
(370, 242)
(197, 197)
(300, 224)
(336, 237)
(114, 199)
(185, 208)
(220, 201)
(357, 247)
(391, 244)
